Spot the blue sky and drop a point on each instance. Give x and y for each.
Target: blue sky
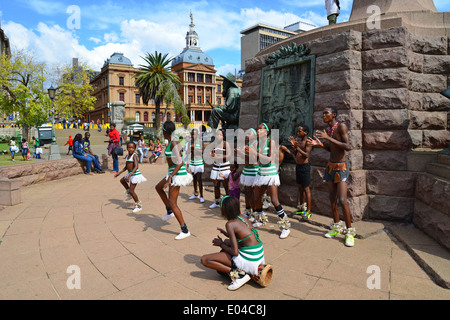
(54, 33)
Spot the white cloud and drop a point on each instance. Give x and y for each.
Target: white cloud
(228, 68)
(96, 40)
(218, 28)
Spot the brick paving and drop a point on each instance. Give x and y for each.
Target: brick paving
(83, 221)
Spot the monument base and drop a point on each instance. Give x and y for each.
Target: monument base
(54, 152)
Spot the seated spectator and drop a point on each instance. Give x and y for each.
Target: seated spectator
(87, 149)
(156, 153)
(142, 149)
(78, 152)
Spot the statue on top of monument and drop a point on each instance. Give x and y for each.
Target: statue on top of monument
(333, 9)
(228, 113)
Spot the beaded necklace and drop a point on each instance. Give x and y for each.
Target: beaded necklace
(331, 130)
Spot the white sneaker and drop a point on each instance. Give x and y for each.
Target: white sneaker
(266, 205)
(257, 224)
(285, 233)
(182, 235)
(202, 200)
(236, 284)
(193, 197)
(137, 209)
(129, 197)
(214, 205)
(168, 216)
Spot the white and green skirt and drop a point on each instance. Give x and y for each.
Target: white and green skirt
(136, 178)
(181, 179)
(267, 176)
(196, 166)
(250, 258)
(248, 176)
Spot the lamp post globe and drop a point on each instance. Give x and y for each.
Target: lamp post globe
(54, 149)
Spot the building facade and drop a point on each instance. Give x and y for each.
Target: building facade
(200, 89)
(116, 82)
(5, 49)
(261, 36)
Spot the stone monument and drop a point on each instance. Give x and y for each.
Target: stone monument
(384, 71)
(117, 114)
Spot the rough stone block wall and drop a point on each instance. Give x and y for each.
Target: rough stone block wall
(386, 85)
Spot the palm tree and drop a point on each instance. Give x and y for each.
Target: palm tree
(150, 76)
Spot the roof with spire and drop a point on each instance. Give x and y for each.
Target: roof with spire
(192, 52)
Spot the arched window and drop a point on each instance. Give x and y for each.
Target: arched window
(145, 116)
(138, 116)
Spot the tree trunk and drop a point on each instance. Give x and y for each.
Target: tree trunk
(158, 117)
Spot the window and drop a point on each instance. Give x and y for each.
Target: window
(145, 116)
(122, 96)
(266, 41)
(121, 81)
(199, 77)
(219, 88)
(191, 99)
(138, 98)
(168, 116)
(199, 99)
(198, 115)
(219, 101)
(208, 78)
(138, 116)
(191, 77)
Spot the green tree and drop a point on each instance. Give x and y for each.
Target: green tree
(74, 91)
(22, 89)
(149, 78)
(171, 96)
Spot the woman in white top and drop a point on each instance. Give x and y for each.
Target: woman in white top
(12, 147)
(142, 149)
(221, 166)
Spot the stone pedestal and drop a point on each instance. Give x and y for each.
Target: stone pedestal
(386, 85)
(9, 192)
(54, 152)
(360, 7)
(117, 114)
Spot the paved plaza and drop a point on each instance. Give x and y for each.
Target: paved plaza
(82, 226)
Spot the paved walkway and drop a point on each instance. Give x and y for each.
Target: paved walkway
(83, 221)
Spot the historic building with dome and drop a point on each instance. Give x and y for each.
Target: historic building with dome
(200, 89)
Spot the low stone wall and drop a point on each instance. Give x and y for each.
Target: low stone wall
(37, 172)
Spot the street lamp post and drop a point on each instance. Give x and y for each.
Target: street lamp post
(54, 148)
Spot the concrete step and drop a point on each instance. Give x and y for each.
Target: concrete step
(430, 255)
(439, 169)
(444, 159)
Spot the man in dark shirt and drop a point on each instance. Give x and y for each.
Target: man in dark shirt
(87, 148)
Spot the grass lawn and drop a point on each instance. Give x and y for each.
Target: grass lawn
(5, 160)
